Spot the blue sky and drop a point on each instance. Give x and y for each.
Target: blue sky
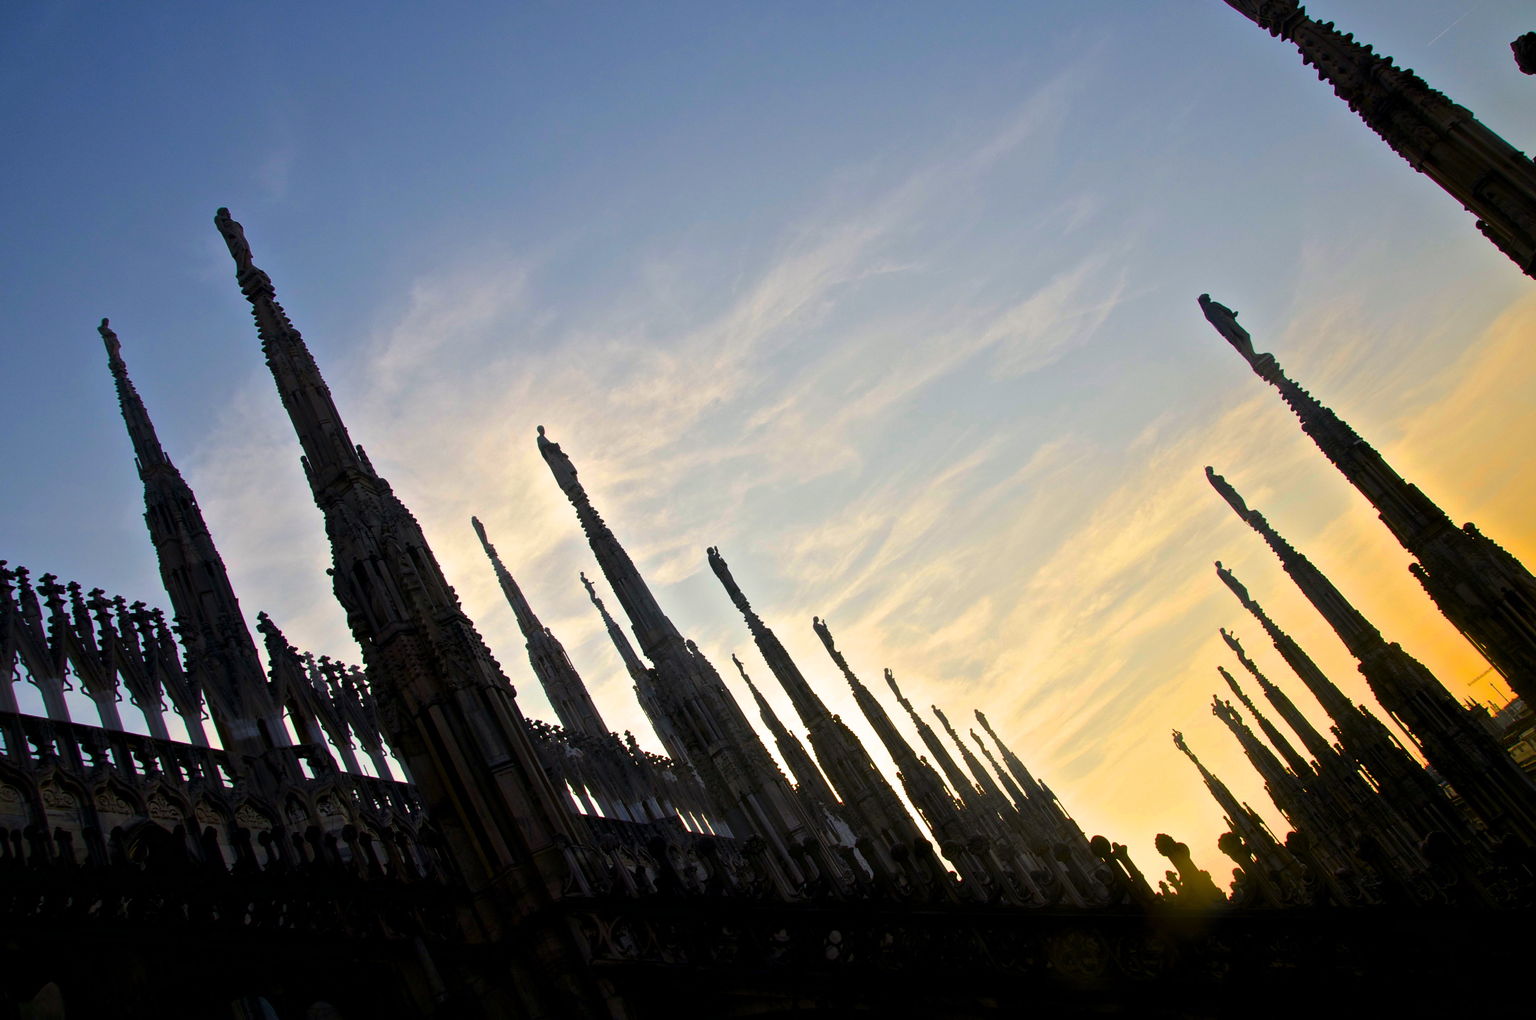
(895, 303)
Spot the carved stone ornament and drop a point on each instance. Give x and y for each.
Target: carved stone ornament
(53, 797)
(110, 802)
(250, 818)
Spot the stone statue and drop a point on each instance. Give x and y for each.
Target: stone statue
(1228, 493)
(234, 236)
(1237, 586)
(1225, 321)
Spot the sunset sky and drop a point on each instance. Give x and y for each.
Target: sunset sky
(894, 303)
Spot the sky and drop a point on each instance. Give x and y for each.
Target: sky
(894, 303)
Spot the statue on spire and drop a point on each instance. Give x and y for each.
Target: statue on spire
(1225, 321)
(1228, 493)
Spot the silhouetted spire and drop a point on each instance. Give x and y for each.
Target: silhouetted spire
(1408, 788)
(702, 725)
(924, 787)
(1242, 819)
(632, 664)
(651, 626)
(328, 451)
(436, 684)
(807, 704)
(568, 696)
(1491, 178)
(1293, 760)
(807, 776)
(219, 647)
(1458, 747)
(867, 798)
(1485, 592)
(1317, 745)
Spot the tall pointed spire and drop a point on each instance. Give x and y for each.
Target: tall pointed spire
(1241, 818)
(1407, 787)
(807, 776)
(706, 727)
(868, 800)
(568, 696)
(1462, 751)
(1491, 178)
(1317, 745)
(443, 702)
(1485, 592)
(807, 704)
(923, 786)
(219, 647)
(1277, 740)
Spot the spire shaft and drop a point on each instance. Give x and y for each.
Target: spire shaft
(1490, 178)
(567, 694)
(219, 649)
(1459, 748)
(1485, 592)
(437, 686)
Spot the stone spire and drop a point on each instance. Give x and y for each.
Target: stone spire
(567, 695)
(1293, 760)
(1491, 178)
(1485, 592)
(1317, 745)
(963, 786)
(924, 788)
(702, 725)
(651, 627)
(1241, 818)
(1461, 750)
(447, 709)
(219, 647)
(1404, 784)
(632, 664)
(891, 840)
(808, 705)
(1049, 807)
(807, 776)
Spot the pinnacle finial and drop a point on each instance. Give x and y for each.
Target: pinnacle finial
(480, 530)
(114, 348)
(1224, 320)
(743, 671)
(1222, 486)
(1238, 588)
(234, 237)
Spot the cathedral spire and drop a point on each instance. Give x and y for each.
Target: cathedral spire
(632, 664)
(701, 723)
(1404, 784)
(141, 431)
(329, 454)
(807, 776)
(1316, 744)
(1243, 819)
(1460, 749)
(651, 626)
(563, 686)
(219, 649)
(1491, 178)
(1293, 759)
(808, 705)
(1485, 592)
(443, 702)
(867, 798)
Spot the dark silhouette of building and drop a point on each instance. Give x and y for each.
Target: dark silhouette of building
(1491, 178)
